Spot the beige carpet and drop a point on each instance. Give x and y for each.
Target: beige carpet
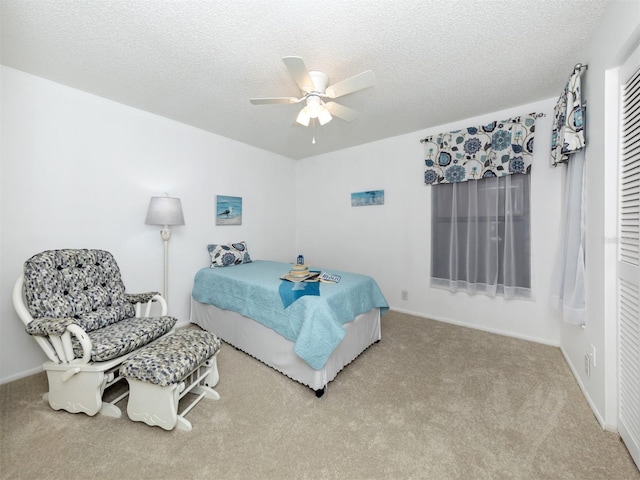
(430, 401)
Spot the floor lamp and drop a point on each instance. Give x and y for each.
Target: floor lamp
(165, 211)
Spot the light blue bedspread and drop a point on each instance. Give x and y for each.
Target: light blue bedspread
(313, 323)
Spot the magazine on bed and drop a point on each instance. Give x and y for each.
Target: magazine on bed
(329, 277)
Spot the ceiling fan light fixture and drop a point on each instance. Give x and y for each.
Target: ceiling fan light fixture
(324, 116)
(314, 106)
(304, 117)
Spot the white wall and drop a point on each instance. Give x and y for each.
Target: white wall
(77, 171)
(612, 42)
(391, 242)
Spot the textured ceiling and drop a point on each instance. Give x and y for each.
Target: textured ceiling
(199, 61)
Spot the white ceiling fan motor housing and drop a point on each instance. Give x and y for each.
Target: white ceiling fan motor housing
(319, 80)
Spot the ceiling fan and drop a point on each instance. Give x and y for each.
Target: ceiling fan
(314, 90)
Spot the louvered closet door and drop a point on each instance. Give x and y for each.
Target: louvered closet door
(629, 258)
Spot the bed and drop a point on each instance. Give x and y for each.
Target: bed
(312, 339)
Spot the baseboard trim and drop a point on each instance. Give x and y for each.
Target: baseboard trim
(182, 324)
(18, 376)
(585, 393)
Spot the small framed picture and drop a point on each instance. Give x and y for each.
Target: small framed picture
(370, 197)
(228, 210)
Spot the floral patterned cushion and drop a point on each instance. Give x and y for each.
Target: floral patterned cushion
(111, 341)
(124, 337)
(48, 326)
(229, 254)
(172, 358)
(140, 297)
(83, 285)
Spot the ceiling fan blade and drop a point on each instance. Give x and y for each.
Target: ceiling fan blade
(341, 111)
(363, 80)
(273, 100)
(299, 72)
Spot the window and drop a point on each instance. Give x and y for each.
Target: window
(480, 240)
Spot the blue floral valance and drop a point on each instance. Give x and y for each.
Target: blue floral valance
(493, 150)
(567, 136)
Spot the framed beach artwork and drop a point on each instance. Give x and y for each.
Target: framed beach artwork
(228, 210)
(370, 197)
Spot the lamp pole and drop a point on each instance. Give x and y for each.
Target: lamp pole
(165, 234)
(165, 211)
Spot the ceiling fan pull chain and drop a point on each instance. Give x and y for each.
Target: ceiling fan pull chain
(313, 127)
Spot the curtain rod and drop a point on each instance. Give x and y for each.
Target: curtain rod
(580, 66)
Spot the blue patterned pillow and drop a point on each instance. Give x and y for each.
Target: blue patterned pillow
(228, 254)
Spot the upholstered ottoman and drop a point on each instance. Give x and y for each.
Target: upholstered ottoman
(160, 374)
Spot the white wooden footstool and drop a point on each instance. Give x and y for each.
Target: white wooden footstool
(160, 374)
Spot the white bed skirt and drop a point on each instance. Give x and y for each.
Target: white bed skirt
(276, 351)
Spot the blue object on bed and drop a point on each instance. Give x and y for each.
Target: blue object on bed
(313, 323)
(292, 291)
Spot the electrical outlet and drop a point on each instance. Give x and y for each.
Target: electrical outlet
(404, 295)
(587, 365)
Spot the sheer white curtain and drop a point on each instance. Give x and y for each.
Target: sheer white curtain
(568, 288)
(481, 236)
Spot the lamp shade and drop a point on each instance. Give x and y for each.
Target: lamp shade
(164, 211)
